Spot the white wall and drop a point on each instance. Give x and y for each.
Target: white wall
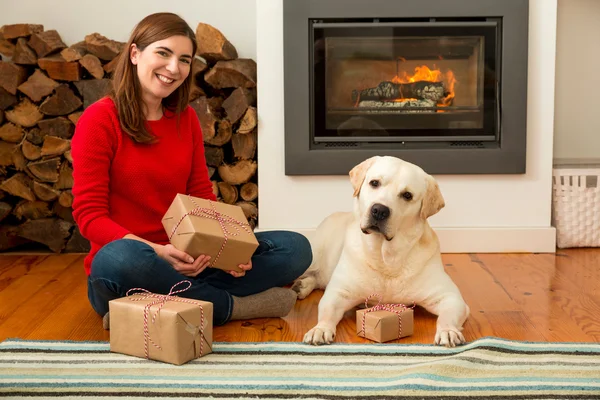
(115, 19)
(577, 126)
(483, 213)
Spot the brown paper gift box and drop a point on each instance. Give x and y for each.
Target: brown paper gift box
(183, 331)
(382, 326)
(198, 235)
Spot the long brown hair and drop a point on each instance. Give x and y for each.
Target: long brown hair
(126, 90)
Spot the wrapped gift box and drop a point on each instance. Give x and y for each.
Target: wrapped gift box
(382, 326)
(182, 329)
(198, 226)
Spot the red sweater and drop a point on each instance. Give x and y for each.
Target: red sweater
(123, 187)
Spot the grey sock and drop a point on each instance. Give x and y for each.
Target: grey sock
(106, 322)
(272, 303)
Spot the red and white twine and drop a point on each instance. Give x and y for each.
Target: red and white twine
(225, 221)
(397, 309)
(160, 300)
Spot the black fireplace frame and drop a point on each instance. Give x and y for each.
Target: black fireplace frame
(303, 156)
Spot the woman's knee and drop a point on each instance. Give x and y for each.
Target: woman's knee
(298, 251)
(121, 257)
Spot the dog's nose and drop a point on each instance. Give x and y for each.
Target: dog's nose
(380, 212)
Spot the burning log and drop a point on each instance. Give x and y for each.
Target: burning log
(386, 90)
(413, 105)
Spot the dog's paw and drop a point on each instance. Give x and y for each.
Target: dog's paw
(304, 287)
(449, 337)
(319, 335)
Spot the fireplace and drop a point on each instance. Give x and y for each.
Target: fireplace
(441, 84)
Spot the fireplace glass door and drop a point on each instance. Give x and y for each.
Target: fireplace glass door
(428, 81)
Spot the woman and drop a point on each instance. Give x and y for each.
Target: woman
(133, 151)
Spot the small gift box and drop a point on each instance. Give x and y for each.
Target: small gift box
(198, 226)
(161, 327)
(384, 322)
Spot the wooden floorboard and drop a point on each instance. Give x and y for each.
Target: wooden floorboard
(534, 297)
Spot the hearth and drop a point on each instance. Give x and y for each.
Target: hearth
(439, 83)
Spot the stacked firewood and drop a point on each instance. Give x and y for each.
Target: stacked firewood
(44, 87)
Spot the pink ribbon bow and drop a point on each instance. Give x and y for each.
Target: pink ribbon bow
(225, 221)
(160, 300)
(394, 308)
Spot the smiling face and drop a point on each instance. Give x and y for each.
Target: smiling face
(162, 66)
(392, 193)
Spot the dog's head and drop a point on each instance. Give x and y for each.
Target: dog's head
(391, 192)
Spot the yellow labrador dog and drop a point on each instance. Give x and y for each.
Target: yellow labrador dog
(385, 246)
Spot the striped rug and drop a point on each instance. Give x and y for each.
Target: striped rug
(489, 368)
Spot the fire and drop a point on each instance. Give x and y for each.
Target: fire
(424, 73)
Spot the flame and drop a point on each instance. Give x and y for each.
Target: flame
(424, 73)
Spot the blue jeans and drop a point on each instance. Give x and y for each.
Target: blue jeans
(280, 258)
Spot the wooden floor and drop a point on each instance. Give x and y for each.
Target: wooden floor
(535, 297)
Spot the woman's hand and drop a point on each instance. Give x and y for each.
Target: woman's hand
(244, 267)
(181, 261)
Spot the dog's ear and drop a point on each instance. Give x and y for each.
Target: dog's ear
(358, 173)
(433, 200)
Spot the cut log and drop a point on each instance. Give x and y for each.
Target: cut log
(7, 99)
(195, 92)
(9, 238)
(32, 210)
(1, 117)
(74, 117)
(109, 67)
(214, 155)
(102, 47)
(6, 153)
(65, 177)
(25, 114)
(413, 105)
(248, 122)
(46, 43)
(60, 69)
(24, 54)
(38, 86)
(215, 188)
(93, 90)
(65, 213)
(19, 185)
(5, 209)
(66, 198)
(62, 102)
(30, 150)
(212, 44)
(45, 192)
(19, 160)
(55, 146)
(206, 117)
(11, 133)
(74, 52)
(6, 48)
(68, 156)
(198, 68)
(77, 243)
(249, 191)
(93, 65)
(390, 91)
(51, 232)
(223, 135)
(60, 127)
(14, 31)
(244, 145)
(45, 170)
(229, 193)
(232, 74)
(238, 102)
(11, 76)
(250, 209)
(35, 136)
(238, 173)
